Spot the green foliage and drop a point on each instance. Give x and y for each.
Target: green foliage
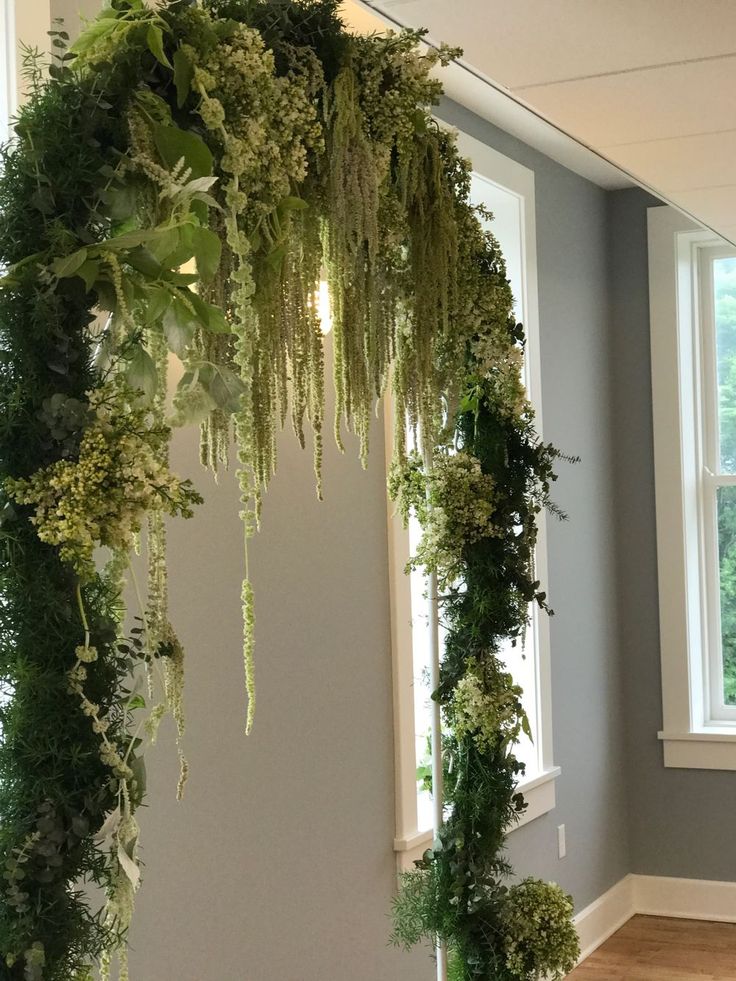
(458, 891)
(173, 191)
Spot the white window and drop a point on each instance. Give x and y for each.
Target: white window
(507, 190)
(692, 277)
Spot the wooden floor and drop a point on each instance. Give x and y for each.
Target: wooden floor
(652, 948)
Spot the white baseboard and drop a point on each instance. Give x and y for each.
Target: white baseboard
(605, 915)
(653, 895)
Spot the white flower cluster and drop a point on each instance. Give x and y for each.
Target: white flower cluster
(454, 503)
(266, 123)
(539, 935)
(486, 705)
(102, 497)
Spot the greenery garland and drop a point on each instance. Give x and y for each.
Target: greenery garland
(173, 191)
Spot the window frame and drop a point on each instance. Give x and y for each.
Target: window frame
(539, 788)
(697, 732)
(716, 710)
(8, 94)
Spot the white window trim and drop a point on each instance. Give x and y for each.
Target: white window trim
(7, 67)
(539, 790)
(690, 738)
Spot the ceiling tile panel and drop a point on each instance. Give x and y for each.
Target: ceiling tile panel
(531, 42)
(646, 105)
(682, 163)
(715, 207)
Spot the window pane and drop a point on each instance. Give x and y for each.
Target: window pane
(727, 563)
(724, 298)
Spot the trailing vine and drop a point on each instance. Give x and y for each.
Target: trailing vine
(178, 183)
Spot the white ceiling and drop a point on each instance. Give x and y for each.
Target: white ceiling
(650, 84)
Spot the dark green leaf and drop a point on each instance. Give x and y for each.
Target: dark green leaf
(174, 144)
(183, 74)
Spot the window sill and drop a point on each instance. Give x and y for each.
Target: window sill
(540, 796)
(539, 793)
(709, 748)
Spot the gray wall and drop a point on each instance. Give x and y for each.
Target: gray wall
(587, 687)
(279, 863)
(681, 820)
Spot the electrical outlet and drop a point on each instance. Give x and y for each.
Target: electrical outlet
(561, 843)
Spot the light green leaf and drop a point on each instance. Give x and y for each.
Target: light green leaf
(68, 265)
(128, 240)
(224, 386)
(138, 766)
(180, 279)
(183, 75)
(141, 372)
(158, 301)
(155, 41)
(97, 30)
(166, 244)
(174, 144)
(527, 729)
(178, 327)
(199, 185)
(207, 252)
(211, 317)
(136, 702)
(89, 271)
(292, 204)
